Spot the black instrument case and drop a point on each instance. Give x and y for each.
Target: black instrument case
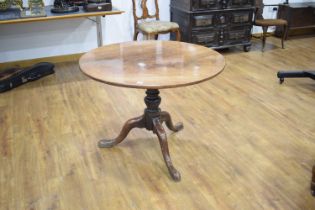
(13, 77)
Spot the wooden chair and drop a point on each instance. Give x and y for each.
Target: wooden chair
(265, 23)
(151, 29)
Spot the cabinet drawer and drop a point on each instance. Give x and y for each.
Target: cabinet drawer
(220, 4)
(199, 5)
(223, 18)
(242, 3)
(242, 17)
(203, 20)
(218, 18)
(237, 35)
(206, 4)
(209, 37)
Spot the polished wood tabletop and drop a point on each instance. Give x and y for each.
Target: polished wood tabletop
(152, 64)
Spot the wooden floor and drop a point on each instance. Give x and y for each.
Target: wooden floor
(248, 142)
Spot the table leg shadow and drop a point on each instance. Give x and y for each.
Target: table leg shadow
(313, 182)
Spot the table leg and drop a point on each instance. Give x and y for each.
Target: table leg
(152, 120)
(159, 130)
(166, 117)
(137, 122)
(99, 31)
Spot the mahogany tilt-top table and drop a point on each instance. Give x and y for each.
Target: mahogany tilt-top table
(152, 65)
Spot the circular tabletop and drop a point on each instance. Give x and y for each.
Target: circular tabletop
(152, 64)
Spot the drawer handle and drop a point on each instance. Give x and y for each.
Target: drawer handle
(224, 4)
(222, 19)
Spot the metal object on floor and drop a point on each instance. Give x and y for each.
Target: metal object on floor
(295, 74)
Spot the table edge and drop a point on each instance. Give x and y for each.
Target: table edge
(152, 86)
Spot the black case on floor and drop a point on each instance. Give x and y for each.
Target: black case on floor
(11, 78)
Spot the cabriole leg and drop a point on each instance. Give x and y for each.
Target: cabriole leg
(137, 122)
(166, 117)
(159, 130)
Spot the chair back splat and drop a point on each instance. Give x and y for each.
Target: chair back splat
(259, 9)
(145, 10)
(151, 29)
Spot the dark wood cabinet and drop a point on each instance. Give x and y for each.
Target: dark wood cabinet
(214, 23)
(300, 16)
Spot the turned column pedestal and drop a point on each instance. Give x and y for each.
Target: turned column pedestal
(152, 120)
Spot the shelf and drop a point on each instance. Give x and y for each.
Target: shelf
(54, 16)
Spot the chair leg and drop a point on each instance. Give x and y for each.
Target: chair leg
(286, 32)
(150, 36)
(284, 35)
(146, 37)
(178, 35)
(135, 36)
(265, 29)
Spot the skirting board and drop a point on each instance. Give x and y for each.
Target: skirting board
(54, 59)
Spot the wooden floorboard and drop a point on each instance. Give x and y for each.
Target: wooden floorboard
(247, 143)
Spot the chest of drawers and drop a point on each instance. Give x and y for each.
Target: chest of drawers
(300, 17)
(214, 23)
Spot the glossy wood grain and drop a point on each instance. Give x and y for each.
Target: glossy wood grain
(257, 152)
(152, 64)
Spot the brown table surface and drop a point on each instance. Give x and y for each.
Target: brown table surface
(152, 64)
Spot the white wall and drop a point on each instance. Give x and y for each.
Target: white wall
(62, 37)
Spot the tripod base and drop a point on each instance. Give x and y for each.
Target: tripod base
(152, 120)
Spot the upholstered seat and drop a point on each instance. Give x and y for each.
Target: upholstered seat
(157, 26)
(271, 22)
